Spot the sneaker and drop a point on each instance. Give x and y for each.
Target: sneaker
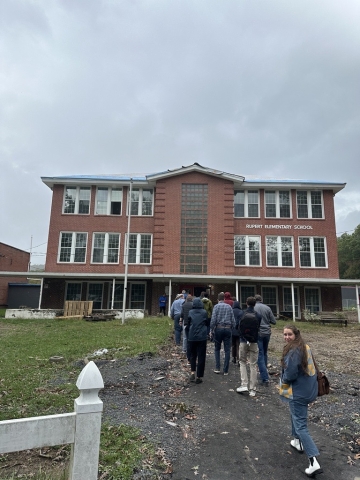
(188, 364)
(198, 380)
(314, 468)
(296, 443)
(216, 370)
(242, 389)
(252, 393)
(192, 377)
(266, 383)
(226, 373)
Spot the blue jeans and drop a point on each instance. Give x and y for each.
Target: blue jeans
(177, 329)
(222, 335)
(263, 343)
(298, 412)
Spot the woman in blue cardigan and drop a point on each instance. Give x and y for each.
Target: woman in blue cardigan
(299, 387)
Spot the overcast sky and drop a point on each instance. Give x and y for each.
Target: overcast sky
(270, 88)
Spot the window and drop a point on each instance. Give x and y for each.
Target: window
(95, 293)
(72, 247)
(139, 248)
(141, 201)
(312, 299)
(247, 251)
(105, 248)
(288, 300)
(108, 201)
(312, 252)
(137, 296)
(309, 204)
(118, 296)
(73, 291)
(246, 203)
(269, 295)
(194, 228)
(277, 204)
(279, 252)
(77, 200)
(245, 292)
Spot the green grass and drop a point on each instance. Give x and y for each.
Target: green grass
(31, 385)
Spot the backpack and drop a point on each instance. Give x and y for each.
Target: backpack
(249, 327)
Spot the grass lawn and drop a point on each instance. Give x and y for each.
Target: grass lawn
(31, 385)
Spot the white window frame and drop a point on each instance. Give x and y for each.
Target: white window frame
(279, 250)
(277, 203)
(73, 247)
(246, 203)
(319, 295)
(297, 307)
(247, 251)
(276, 298)
(109, 201)
(312, 252)
(140, 204)
(309, 205)
(77, 200)
(106, 248)
(67, 286)
(138, 249)
(102, 293)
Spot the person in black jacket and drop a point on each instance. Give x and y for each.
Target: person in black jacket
(235, 337)
(197, 339)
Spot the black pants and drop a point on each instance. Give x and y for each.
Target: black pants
(235, 343)
(197, 352)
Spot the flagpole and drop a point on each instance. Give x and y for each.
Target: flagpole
(127, 253)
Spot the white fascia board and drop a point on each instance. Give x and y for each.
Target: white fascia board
(196, 168)
(88, 181)
(294, 184)
(187, 278)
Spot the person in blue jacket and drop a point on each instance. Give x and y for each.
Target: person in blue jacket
(299, 387)
(197, 339)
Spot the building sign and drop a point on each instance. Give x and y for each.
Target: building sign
(279, 227)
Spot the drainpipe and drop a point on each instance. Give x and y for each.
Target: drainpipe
(170, 293)
(293, 300)
(357, 301)
(113, 294)
(41, 292)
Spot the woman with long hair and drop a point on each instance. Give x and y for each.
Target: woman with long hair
(298, 387)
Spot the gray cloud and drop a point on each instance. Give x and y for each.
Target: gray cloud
(98, 87)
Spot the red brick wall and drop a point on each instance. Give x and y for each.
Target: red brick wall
(165, 226)
(11, 260)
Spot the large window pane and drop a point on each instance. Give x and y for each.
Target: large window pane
(312, 299)
(95, 292)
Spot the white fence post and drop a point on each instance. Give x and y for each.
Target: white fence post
(88, 407)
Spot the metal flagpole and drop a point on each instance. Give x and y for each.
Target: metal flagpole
(127, 254)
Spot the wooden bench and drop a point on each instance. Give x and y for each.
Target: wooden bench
(332, 317)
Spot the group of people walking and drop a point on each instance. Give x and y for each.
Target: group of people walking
(246, 333)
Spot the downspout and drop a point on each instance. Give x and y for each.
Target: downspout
(170, 293)
(357, 301)
(41, 292)
(293, 300)
(113, 294)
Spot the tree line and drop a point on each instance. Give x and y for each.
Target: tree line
(349, 254)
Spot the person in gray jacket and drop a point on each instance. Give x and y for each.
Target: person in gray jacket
(267, 318)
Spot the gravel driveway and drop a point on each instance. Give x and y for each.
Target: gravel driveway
(210, 431)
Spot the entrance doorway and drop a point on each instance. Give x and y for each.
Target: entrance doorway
(194, 290)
